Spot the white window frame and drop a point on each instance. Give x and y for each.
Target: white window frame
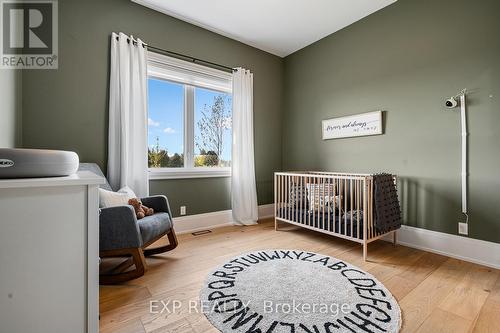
(191, 76)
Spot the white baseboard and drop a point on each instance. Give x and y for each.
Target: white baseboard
(192, 223)
(266, 211)
(463, 248)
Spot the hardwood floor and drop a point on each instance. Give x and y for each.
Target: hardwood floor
(436, 293)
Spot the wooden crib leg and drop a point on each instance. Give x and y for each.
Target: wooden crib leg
(394, 237)
(275, 224)
(365, 250)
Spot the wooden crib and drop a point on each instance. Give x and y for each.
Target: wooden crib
(333, 203)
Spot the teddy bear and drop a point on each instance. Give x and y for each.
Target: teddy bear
(140, 209)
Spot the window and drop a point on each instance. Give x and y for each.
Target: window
(189, 120)
(212, 138)
(165, 124)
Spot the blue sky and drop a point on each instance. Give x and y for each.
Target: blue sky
(166, 115)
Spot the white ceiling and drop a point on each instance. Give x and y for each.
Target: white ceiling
(280, 27)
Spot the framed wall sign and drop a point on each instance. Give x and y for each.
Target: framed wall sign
(356, 125)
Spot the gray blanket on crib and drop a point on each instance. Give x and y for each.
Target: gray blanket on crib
(386, 204)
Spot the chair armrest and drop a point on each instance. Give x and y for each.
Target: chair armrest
(118, 228)
(158, 202)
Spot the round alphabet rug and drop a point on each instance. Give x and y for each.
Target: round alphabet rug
(294, 291)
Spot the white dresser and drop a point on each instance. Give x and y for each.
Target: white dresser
(49, 248)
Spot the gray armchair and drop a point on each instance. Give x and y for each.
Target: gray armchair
(122, 235)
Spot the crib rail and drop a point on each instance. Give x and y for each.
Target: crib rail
(340, 204)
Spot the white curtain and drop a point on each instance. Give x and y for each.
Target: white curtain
(127, 151)
(243, 191)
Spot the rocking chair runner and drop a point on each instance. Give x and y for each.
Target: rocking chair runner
(122, 235)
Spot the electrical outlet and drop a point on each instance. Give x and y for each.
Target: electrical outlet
(183, 210)
(463, 228)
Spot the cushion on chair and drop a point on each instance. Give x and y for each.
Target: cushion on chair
(92, 167)
(113, 199)
(154, 225)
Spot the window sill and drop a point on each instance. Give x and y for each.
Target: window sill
(181, 173)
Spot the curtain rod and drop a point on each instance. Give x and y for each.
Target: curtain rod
(182, 56)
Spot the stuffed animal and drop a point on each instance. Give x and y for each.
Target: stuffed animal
(148, 210)
(140, 209)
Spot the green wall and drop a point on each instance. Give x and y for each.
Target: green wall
(204, 194)
(407, 59)
(67, 108)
